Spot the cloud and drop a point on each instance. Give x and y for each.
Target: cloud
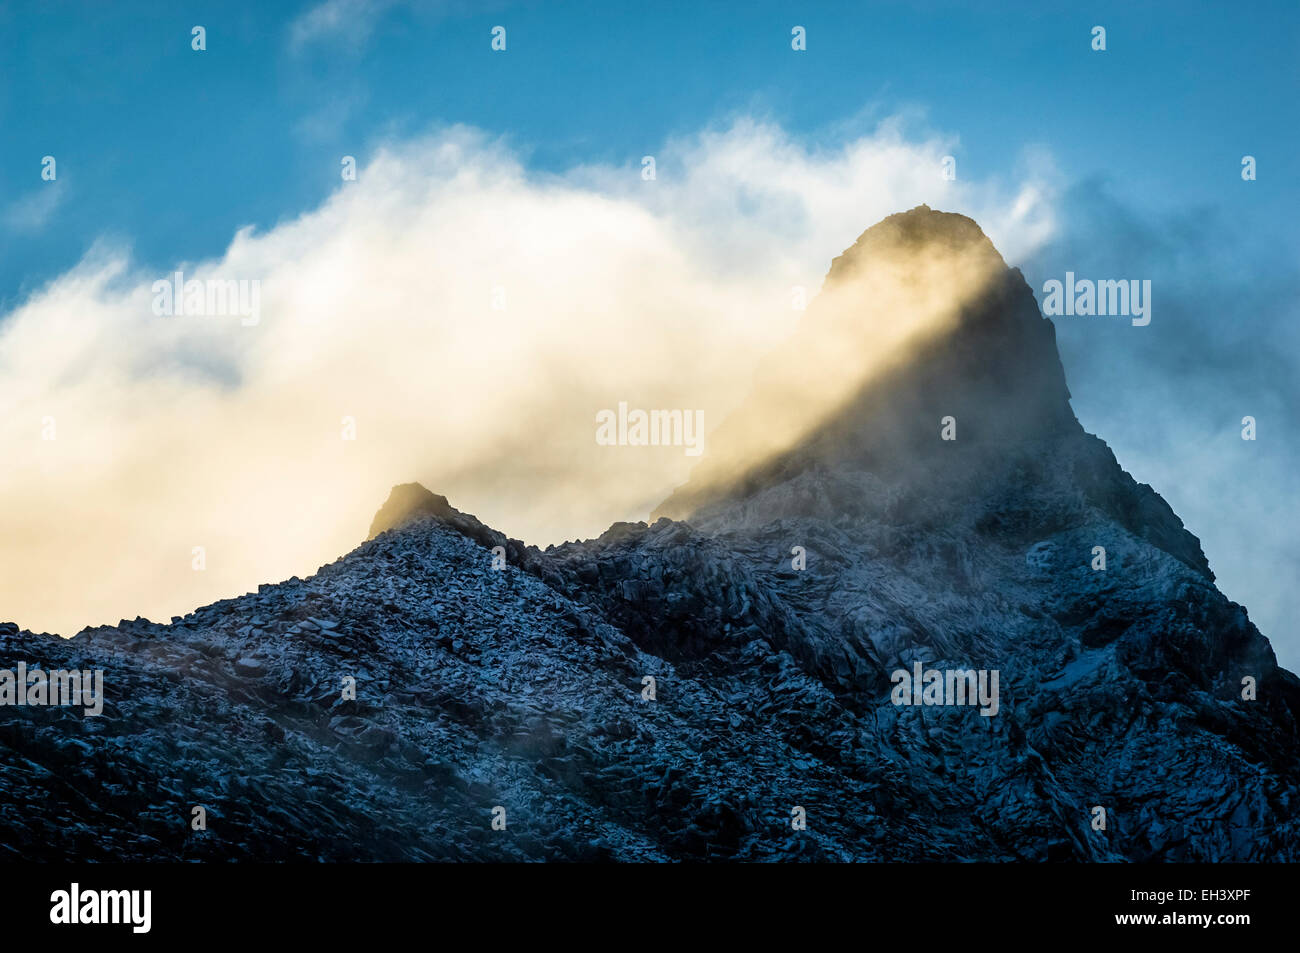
(33, 211)
(346, 22)
(469, 318)
(328, 123)
(348, 25)
(1223, 343)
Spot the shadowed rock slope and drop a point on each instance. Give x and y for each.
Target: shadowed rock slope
(524, 687)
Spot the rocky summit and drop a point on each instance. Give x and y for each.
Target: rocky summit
(921, 615)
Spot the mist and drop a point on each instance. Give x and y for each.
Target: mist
(449, 317)
(1169, 398)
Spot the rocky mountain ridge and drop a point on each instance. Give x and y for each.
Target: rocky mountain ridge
(689, 688)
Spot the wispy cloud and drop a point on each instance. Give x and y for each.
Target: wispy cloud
(348, 23)
(33, 211)
(1223, 343)
(328, 123)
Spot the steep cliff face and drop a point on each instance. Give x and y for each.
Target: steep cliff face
(677, 690)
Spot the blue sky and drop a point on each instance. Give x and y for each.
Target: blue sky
(173, 150)
(167, 152)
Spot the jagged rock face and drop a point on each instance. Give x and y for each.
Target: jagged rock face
(524, 686)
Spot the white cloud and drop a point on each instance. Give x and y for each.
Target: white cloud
(181, 432)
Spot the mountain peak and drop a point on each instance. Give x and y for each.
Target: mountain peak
(905, 233)
(919, 322)
(925, 364)
(406, 502)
